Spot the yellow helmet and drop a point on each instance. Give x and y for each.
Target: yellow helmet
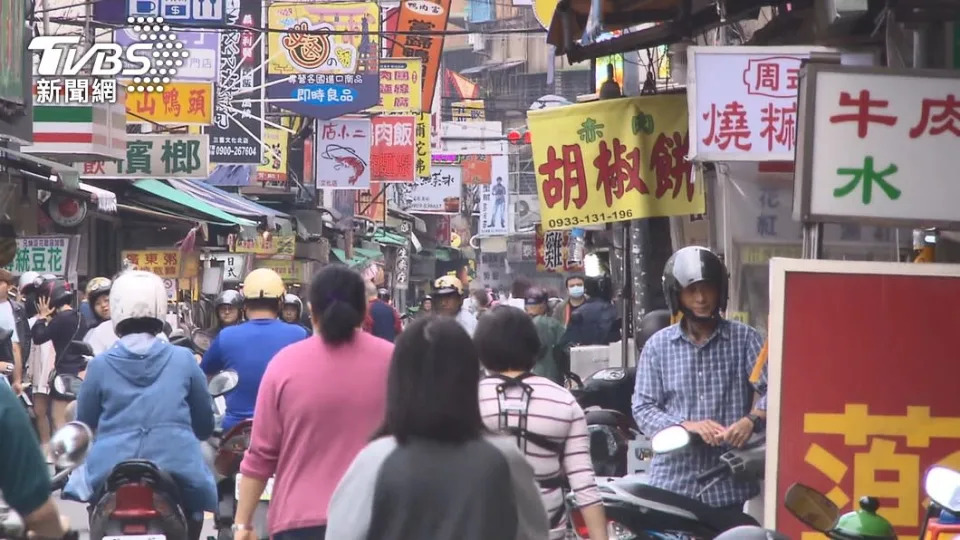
(447, 285)
(263, 283)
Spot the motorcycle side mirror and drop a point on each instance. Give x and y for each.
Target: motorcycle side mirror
(201, 338)
(943, 487)
(812, 507)
(223, 382)
(670, 439)
(70, 444)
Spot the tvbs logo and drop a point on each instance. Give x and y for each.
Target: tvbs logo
(59, 57)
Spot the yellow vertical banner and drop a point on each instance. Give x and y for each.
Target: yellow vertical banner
(422, 150)
(614, 160)
(400, 85)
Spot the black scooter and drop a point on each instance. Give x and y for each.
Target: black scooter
(635, 509)
(605, 397)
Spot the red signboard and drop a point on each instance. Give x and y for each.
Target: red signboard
(393, 150)
(867, 375)
(555, 253)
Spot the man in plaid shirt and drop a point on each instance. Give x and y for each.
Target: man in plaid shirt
(697, 374)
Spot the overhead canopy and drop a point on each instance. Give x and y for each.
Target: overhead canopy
(361, 256)
(164, 191)
(383, 236)
(234, 204)
(68, 176)
(106, 200)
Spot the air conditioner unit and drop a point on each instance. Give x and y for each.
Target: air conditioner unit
(477, 41)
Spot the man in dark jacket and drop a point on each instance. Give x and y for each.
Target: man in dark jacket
(595, 321)
(382, 320)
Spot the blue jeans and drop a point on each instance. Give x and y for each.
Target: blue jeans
(310, 533)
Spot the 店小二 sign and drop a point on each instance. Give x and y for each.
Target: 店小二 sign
(156, 156)
(878, 144)
(614, 160)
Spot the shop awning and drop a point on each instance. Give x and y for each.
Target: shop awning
(234, 204)
(106, 200)
(385, 237)
(57, 172)
(361, 256)
(164, 191)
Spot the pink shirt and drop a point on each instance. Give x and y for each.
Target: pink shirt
(316, 409)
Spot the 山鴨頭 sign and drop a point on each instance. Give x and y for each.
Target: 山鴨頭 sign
(880, 144)
(613, 160)
(849, 414)
(325, 64)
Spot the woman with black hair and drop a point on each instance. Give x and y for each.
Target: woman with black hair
(318, 402)
(544, 419)
(59, 323)
(433, 471)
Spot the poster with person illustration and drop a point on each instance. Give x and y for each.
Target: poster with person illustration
(495, 200)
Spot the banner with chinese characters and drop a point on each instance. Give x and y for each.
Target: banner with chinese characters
(422, 139)
(272, 171)
(273, 245)
(878, 432)
(238, 108)
(162, 262)
(371, 203)
(46, 255)
(477, 169)
(284, 267)
(613, 160)
(900, 135)
(495, 200)
(554, 253)
(438, 193)
(330, 71)
(393, 150)
(343, 154)
(400, 88)
(180, 103)
(420, 28)
(155, 156)
(234, 265)
(747, 109)
(470, 110)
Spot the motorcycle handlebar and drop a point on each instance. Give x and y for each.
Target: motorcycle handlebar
(713, 472)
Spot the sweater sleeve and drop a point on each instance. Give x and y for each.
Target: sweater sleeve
(532, 521)
(576, 460)
(260, 460)
(351, 507)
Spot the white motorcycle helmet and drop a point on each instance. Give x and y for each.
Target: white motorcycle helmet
(137, 295)
(28, 280)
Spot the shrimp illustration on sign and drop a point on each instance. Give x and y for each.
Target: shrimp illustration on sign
(345, 157)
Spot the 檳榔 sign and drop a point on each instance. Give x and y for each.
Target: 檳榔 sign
(156, 156)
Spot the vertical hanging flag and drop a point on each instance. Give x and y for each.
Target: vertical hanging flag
(423, 22)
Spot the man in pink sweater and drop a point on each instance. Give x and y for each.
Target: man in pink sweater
(319, 402)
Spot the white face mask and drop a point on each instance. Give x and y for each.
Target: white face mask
(576, 291)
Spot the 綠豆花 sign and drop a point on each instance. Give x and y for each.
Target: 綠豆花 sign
(878, 144)
(747, 110)
(613, 160)
(44, 254)
(156, 156)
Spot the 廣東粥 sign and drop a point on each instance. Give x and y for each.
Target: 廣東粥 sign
(156, 156)
(878, 144)
(330, 71)
(613, 160)
(746, 107)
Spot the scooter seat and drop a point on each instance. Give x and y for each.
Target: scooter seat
(717, 519)
(138, 471)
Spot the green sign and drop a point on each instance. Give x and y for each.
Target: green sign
(44, 254)
(12, 15)
(156, 156)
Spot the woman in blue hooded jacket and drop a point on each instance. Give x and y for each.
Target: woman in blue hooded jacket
(146, 399)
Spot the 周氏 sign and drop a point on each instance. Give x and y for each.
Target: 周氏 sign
(613, 160)
(880, 144)
(156, 156)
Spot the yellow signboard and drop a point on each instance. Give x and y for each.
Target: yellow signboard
(164, 263)
(614, 160)
(286, 268)
(281, 245)
(180, 103)
(272, 170)
(421, 166)
(470, 110)
(400, 85)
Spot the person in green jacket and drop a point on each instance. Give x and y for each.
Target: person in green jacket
(553, 360)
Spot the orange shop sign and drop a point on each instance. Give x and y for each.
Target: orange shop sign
(164, 263)
(271, 245)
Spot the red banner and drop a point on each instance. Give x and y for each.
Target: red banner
(867, 393)
(429, 16)
(393, 150)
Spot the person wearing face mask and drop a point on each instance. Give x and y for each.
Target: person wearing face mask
(576, 297)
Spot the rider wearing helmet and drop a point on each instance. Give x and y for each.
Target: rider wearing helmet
(249, 346)
(60, 324)
(447, 300)
(292, 312)
(146, 399)
(98, 296)
(553, 358)
(228, 306)
(696, 373)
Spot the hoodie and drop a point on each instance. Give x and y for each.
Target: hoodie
(147, 399)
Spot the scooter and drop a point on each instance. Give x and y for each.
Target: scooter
(635, 509)
(821, 514)
(140, 501)
(68, 448)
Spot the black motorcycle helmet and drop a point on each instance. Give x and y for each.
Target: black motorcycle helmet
(59, 291)
(689, 265)
(295, 301)
(651, 323)
(229, 298)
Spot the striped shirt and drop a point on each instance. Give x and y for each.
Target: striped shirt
(677, 381)
(553, 413)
